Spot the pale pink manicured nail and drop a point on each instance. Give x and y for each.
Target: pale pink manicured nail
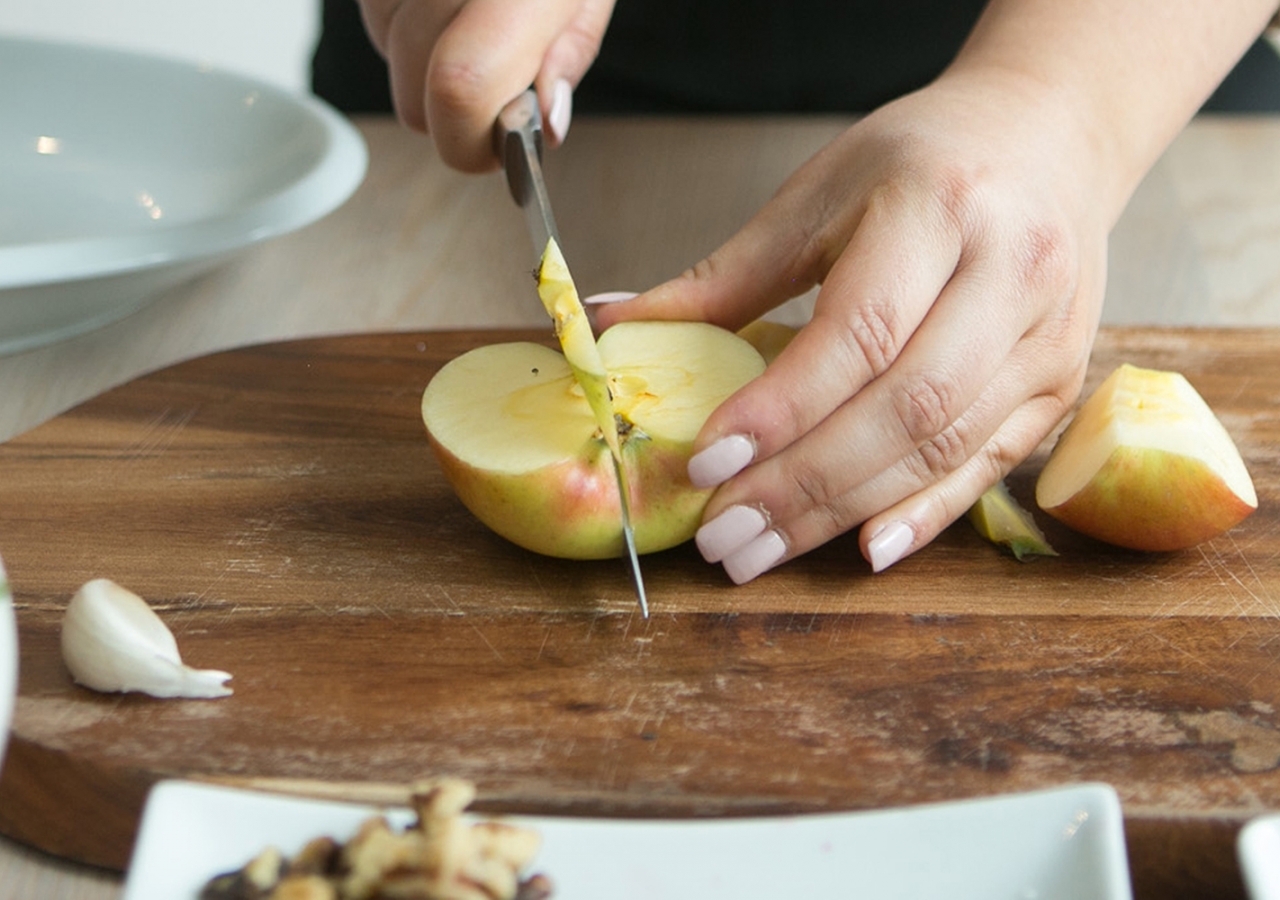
(728, 532)
(561, 110)
(889, 544)
(721, 461)
(757, 557)
(608, 297)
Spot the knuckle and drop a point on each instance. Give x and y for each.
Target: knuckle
(959, 198)
(872, 335)
(829, 520)
(1042, 256)
(945, 452)
(815, 491)
(457, 87)
(1041, 252)
(995, 460)
(927, 407)
(705, 269)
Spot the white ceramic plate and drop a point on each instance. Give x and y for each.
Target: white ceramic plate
(1259, 850)
(1066, 843)
(8, 660)
(126, 174)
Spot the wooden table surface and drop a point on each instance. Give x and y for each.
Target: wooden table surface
(419, 247)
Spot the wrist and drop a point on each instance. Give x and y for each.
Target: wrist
(1128, 74)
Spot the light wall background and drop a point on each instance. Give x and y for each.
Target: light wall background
(266, 39)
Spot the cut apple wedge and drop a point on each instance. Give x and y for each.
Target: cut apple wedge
(522, 448)
(1145, 464)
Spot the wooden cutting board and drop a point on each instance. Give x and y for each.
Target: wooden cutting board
(279, 507)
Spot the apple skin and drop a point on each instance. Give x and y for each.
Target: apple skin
(1146, 499)
(1154, 468)
(575, 502)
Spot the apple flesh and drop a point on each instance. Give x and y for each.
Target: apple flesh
(518, 442)
(1145, 464)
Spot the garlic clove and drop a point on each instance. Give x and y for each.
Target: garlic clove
(113, 641)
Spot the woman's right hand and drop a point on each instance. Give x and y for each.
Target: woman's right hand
(455, 63)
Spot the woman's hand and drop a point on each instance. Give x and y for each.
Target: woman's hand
(959, 235)
(455, 63)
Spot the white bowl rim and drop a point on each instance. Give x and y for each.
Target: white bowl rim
(8, 661)
(319, 190)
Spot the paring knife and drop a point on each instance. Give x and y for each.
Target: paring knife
(518, 143)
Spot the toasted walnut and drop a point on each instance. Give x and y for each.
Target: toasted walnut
(370, 855)
(469, 862)
(441, 856)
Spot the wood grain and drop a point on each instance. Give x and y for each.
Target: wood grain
(279, 507)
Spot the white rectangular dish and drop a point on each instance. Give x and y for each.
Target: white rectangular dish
(1063, 843)
(1259, 850)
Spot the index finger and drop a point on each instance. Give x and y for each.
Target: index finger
(490, 52)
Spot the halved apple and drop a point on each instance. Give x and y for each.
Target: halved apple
(770, 338)
(515, 436)
(1145, 464)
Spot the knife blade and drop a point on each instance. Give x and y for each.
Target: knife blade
(518, 143)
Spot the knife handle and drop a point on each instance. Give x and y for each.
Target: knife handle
(516, 135)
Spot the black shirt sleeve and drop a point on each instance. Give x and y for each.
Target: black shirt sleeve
(748, 56)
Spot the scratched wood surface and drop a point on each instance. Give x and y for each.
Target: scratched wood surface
(279, 507)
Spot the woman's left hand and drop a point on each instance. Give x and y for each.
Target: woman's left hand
(959, 235)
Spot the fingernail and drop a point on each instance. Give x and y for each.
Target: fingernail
(561, 110)
(721, 461)
(757, 557)
(889, 544)
(608, 297)
(729, 531)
